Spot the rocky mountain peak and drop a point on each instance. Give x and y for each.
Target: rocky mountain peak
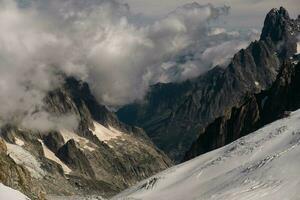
(281, 30)
(173, 115)
(275, 24)
(102, 156)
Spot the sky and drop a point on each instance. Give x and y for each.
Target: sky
(244, 13)
(119, 47)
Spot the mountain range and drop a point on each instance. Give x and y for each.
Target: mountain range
(175, 114)
(102, 156)
(232, 108)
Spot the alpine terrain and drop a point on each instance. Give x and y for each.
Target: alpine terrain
(99, 101)
(175, 114)
(262, 166)
(101, 157)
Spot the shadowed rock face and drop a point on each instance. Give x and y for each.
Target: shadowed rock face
(75, 158)
(174, 114)
(282, 30)
(79, 162)
(256, 111)
(206, 112)
(53, 141)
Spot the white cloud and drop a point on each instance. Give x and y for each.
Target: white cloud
(95, 41)
(248, 13)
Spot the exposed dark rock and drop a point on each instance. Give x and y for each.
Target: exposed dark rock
(80, 92)
(174, 114)
(97, 167)
(75, 158)
(281, 30)
(284, 94)
(224, 130)
(256, 111)
(54, 141)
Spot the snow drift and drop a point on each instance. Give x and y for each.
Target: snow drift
(11, 194)
(263, 165)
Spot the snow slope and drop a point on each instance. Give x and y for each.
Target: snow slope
(104, 134)
(83, 142)
(25, 158)
(7, 193)
(264, 165)
(19, 141)
(51, 156)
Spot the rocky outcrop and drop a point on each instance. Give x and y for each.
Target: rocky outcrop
(284, 94)
(75, 158)
(16, 176)
(101, 157)
(3, 148)
(256, 111)
(281, 29)
(174, 114)
(54, 141)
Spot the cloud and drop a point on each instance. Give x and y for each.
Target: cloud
(30, 53)
(44, 121)
(96, 41)
(248, 13)
(127, 59)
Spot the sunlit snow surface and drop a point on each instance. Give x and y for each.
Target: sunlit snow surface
(104, 134)
(23, 157)
(7, 193)
(264, 165)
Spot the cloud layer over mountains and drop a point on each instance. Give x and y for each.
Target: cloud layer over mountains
(97, 41)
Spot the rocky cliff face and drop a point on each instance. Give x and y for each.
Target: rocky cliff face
(256, 110)
(281, 29)
(102, 156)
(17, 176)
(174, 115)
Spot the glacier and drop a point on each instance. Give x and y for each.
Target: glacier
(264, 165)
(7, 193)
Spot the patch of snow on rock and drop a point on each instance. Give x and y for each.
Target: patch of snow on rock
(51, 156)
(19, 141)
(83, 142)
(23, 157)
(104, 134)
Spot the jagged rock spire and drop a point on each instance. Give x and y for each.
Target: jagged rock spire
(276, 24)
(281, 30)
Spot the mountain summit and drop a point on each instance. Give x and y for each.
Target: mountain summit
(175, 114)
(106, 153)
(101, 157)
(278, 27)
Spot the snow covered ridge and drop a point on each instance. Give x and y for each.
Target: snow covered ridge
(7, 193)
(264, 165)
